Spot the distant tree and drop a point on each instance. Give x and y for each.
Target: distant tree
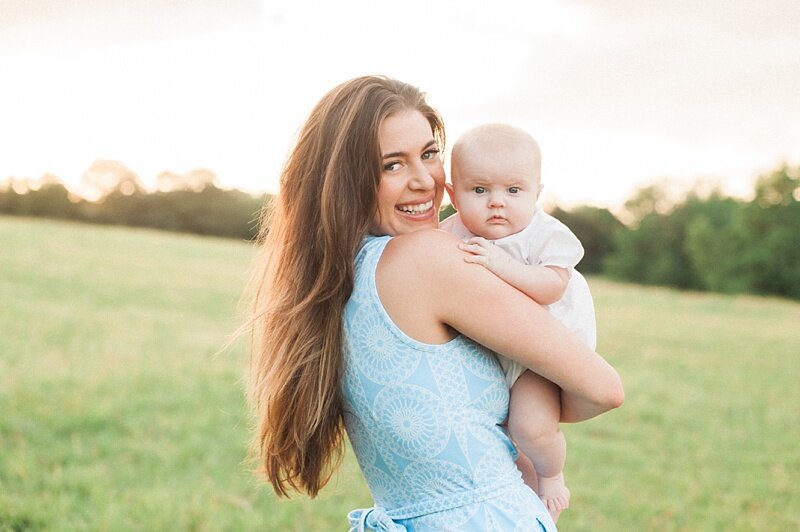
(194, 180)
(105, 177)
(714, 242)
(45, 196)
(231, 213)
(651, 250)
(595, 228)
(660, 198)
(445, 211)
(779, 187)
(770, 230)
(646, 254)
(9, 199)
(51, 200)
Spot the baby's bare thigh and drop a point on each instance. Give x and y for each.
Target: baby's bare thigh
(535, 401)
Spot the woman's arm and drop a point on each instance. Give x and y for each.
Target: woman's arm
(427, 288)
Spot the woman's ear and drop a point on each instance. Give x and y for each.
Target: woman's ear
(451, 194)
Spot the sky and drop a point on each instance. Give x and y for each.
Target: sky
(620, 94)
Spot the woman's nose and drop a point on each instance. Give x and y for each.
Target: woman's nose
(422, 179)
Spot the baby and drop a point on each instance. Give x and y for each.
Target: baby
(495, 173)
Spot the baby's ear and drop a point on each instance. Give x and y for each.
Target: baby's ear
(451, 194)
(539, 190)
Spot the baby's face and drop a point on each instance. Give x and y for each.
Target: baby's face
(495, 193)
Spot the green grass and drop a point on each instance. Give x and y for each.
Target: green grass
(708, 436)
(116, 413)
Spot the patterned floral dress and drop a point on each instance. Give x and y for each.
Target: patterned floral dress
(425, 424)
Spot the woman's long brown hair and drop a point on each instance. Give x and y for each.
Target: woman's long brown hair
(310, 236)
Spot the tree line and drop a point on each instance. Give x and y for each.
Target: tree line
(714, 242)
(704, 240)
(190, 203)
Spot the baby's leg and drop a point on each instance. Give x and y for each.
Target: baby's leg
(533, 422)
(529, 476)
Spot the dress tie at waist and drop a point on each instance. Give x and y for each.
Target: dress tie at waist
(378, 518)
(374, 518)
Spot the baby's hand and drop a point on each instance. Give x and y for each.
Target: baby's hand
(484, 252)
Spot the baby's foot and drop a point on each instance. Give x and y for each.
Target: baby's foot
(554, 494)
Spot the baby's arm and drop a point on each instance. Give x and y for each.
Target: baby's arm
(543, 284)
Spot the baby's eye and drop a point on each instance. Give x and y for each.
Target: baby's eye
(479, 190)
(513, 190)
(390, 167)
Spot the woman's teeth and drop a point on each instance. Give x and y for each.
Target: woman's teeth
(416, 209)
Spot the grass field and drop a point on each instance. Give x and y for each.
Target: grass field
(117, 413)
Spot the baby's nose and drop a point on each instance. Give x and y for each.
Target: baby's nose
(496, 201)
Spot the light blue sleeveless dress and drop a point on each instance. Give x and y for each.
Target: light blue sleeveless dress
(424, 422)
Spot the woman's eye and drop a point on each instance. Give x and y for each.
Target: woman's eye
(479, 190)
(513, 190)
(390, 167)
(430, 154)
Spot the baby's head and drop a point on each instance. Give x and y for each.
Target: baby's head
(495, 170)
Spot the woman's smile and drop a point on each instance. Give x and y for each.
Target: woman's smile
(417, 209)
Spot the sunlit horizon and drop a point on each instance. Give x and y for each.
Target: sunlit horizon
(619, 95)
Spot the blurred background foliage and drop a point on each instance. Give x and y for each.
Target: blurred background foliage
(707, 241)
(112, 194)
(700, 239)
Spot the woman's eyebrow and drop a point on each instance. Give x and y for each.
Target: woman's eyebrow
(402, 153)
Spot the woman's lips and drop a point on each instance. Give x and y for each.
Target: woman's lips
(416, 209)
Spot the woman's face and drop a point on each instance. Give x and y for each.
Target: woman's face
(412, 176)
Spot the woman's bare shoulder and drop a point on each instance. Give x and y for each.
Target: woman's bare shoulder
(431, 260)
(422, 260)
(427, 244)
(426, 235)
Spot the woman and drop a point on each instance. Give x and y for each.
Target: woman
(370, 319)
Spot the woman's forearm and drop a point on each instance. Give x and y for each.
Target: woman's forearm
(580, 407)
